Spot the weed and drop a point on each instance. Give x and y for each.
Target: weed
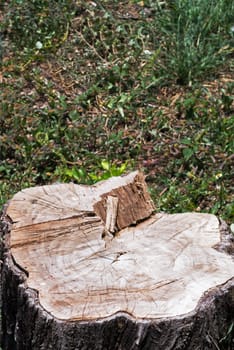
(102, 171)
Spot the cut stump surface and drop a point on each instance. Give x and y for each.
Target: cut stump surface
(90, 254)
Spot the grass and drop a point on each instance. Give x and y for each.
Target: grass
(93, 89)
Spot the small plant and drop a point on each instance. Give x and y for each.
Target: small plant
(108, 170)
(103, 171)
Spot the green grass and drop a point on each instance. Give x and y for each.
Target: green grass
(194, 38)
(93, 89)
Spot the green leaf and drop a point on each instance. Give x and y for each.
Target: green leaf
(186, 141)
(188, 153)
(121, 111)
(105, 165)
(2, 168)
(123, 168)
(68, 172)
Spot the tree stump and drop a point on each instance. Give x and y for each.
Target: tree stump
(94, 268)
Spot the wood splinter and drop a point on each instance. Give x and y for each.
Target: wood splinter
(111, 215)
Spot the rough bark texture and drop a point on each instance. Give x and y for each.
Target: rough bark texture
(76, 276)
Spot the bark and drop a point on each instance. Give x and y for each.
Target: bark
(95, 268)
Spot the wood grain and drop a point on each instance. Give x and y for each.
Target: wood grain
(160, 267)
